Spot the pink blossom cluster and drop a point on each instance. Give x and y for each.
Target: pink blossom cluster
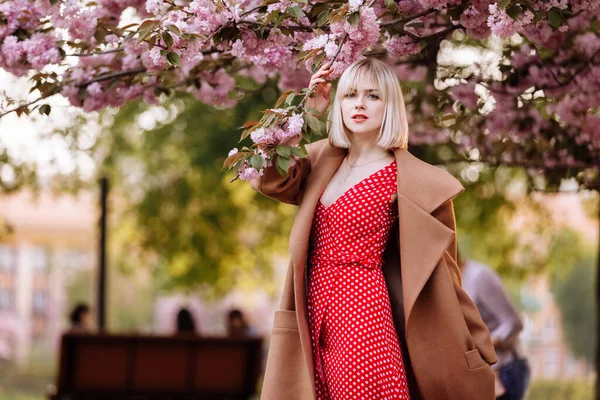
(359, 37)
(438, 4)
(398, 46)
(215, 88)
(266, 139)
(587, 44)
(475, 19)
(272, 54)
(269, 136)
(20, 52)
(465, 93)
(503, 25)
(585, 5)
(19, 56)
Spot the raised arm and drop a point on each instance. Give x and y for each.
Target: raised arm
(287, 189)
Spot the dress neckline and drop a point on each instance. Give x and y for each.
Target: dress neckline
(353, 186)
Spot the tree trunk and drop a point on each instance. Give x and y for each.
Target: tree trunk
(597, 388)
(102, 255)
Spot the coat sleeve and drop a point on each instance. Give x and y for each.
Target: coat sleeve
(479, 331)
(287, 188)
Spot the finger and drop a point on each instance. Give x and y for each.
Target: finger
(320, 74)
(324, 70)
(327, 91)
(316, 82)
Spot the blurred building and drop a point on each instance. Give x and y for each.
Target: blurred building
(51, 239)
(544, 341)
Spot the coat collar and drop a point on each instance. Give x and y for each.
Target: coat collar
(426, 186)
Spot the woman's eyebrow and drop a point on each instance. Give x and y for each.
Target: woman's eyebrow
(365, 91)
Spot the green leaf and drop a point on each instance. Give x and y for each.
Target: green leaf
(391, 5)
(296, 12)
(322, 17)
(272, 17)
(290, 98)
(233, 159)
(555, 18)
(307, 135)
(415, 25)
(167, 38)
(45, 109)
(319, 58)
(256, 161)
(502, 4)
(283, 165)
(53, 2)
(354, 18)
(514, 12)
(100, 34)
(284, 151)
(298, 152)
(174, 29)
(173, 58)
(313, 122)
(112, 84)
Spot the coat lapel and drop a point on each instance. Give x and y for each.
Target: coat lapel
(321, 172)
(422, 188)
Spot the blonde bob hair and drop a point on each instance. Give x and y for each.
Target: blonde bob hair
(394, 126)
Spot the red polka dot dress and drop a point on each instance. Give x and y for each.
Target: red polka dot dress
(355, 347)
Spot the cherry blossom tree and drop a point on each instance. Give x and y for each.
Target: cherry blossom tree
(536, 105)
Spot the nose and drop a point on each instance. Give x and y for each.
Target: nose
(360, 104)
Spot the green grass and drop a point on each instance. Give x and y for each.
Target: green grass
(18, 395)
(553, 390)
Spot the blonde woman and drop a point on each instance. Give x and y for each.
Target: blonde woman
(372, 306)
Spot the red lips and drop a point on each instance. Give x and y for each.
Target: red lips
(359, 116)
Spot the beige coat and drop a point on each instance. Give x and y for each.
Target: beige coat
(447, 347)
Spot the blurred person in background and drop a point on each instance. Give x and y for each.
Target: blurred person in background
(80, 318)
(185, 323)
(237, 326)
(485, 288)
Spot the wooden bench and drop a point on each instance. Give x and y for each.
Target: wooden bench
(119, 367)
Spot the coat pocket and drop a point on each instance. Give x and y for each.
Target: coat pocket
(474, 359)
(286, 375)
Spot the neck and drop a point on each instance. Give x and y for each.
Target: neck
(365, 150)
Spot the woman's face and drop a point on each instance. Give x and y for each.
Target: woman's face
(363, 109)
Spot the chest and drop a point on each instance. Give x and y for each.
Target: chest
(347, 179)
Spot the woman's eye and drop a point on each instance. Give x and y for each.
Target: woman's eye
(350, 94)
(374, 96)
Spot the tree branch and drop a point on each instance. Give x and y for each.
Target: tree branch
(111, 75)
(26, 105)
(408, 18)
(96, 53)
(296, 28)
